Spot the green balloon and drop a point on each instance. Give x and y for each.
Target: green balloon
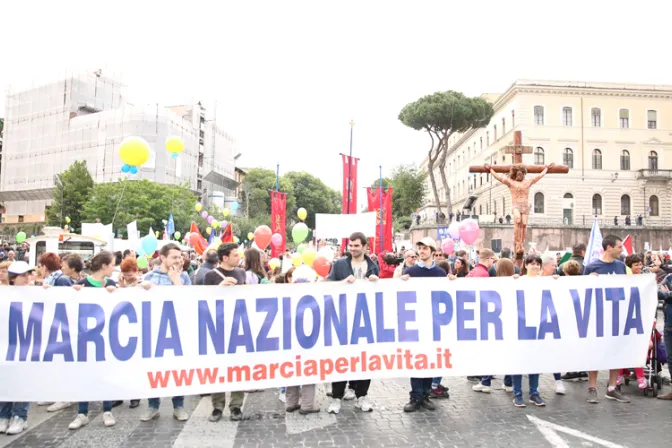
(20, 237)
(177, 236)
(299, 232)
(142, 262)
(300, 248)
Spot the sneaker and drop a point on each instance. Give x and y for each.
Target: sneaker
(412, 406)
(349, 394)
(59, 405)
(518, 401)
(482, 388)
(236, 415)
(508, 389)
(474, 378)
(334, 406)
(180, 415)
(439, 392)
(592, 395)
(44, 403)
(364, 404)
(117, 403)
(150, 414)
(282, 397)
(79, 421)
(428, 405)
(108, 419)
(16, 426)
(560, 387)
(537, 400)
(620, 379)
(575, 376)
(294, 408)
(4, 424)
(309, 411)
(616, 395)
(215, 415)
(582, 376)
(328, 388)
(642, 383)
(134, 404)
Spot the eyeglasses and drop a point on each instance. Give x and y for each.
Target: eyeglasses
(412, 257)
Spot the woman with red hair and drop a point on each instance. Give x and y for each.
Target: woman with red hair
(50, 269)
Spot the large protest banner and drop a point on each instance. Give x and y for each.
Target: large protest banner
(62, 344)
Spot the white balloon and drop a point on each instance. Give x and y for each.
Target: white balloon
(328, 253)
(304, 274)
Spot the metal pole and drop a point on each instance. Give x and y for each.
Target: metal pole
(352, 124)
(277, 178)
(382, 237)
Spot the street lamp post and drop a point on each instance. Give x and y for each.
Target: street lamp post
(352, 125)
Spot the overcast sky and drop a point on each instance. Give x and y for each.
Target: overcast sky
(288, 76)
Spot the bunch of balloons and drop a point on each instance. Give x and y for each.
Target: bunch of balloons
(134, 152)
(175, 146)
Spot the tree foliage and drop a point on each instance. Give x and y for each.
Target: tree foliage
(313, 195)
(261, 181)
(146, 202)
(441, 115)
(408, 195)
(71, 193)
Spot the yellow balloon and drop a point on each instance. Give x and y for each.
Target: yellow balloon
(134, 151)
(174, 145)
(198, 207)
(225, 212)
(308, 257)
(297, 260)
(208, 230)
(250, 236)
(274, 263)
(302, 214)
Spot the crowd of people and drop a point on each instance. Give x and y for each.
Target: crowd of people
(228, 265)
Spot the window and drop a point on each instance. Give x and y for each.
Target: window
(539, 203)
(481, 142)
(652, 119)
(495, 132)
(597, 159)
(596, 117)
(487, 138)
(625, 160)
(625, 205)
(513, 118)
(503, 206)
(539, 156)
(568, 158)
(503, 126)
(653, 161)
(539, 115)
(480, 209)
(624, 115)
(21, 218)
(597, 204)
(653, 206)
(567, 116)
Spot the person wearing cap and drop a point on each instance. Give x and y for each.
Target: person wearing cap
(14, 415)
(423, 388)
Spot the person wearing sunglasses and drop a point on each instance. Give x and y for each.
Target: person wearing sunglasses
(410, 258)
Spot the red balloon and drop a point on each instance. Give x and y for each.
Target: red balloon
(322, 266)
(262, 236)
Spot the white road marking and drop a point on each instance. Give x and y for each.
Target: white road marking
(550, 432)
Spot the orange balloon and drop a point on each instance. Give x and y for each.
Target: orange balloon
(322, 266)
(262, 236)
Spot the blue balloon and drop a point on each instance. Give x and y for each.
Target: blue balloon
(125, 168)
(149, 244)
(175, 155)
(134, 170)
(234, 206)
(140, 252)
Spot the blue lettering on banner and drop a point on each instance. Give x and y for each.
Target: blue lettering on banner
(286, 323)
(463, 315)
(59, 327)
(25, 337)
(599, 313)
(615, 295)
(95, 334)
(240, 321)
(146, 329)
(307, 303)
(634, 319)
(206, 326)
(122, 352)
(382, 334)
(440, 318)
(548, 323)
(168, 322)
(582, 314)
(491, 317)
(525, 333)
(361, 324)
(336, 321)
(270, 307)
(404, 316)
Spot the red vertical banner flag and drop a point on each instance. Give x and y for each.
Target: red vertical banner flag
(278, 220)
(349, 180)
(373, 197)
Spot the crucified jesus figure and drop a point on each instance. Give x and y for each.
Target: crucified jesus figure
(520, 195)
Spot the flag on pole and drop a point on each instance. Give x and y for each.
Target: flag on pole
(594, 249)
(170, 226)
(627, 245)
(227, 235)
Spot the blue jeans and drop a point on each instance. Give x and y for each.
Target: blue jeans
(518, 384)
(420, 388)
(9, 409)
(84, 407)
(436, 380)
(486, 380)
(667, 338)
(154, 403)
(283, 389)
(557, 376)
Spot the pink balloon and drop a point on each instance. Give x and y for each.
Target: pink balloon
(276, 239)
(448, 246)
(454, 230)
(210, 219)
(204, 215)
(469, 230)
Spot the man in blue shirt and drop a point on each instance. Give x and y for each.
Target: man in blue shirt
(607, 264)
(422, 387)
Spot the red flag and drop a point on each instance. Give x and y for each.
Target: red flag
(227, 234)
(627, 245)
(278, 220)
(196, 239)
(349, 179)
(373, 197)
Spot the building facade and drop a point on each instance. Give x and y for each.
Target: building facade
(616, 140)
(49, 127)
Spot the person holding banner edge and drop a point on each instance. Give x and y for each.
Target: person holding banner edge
(356, 266)
(168, 274)
(425, 267)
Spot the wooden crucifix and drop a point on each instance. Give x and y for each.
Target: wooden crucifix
(518, 185)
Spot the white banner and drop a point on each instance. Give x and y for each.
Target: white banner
(342, 226)
(65, 345)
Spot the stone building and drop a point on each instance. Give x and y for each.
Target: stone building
(616, 140)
